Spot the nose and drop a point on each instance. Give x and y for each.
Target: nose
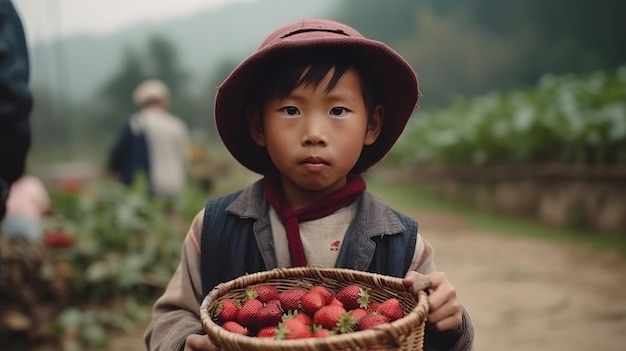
(314, 132)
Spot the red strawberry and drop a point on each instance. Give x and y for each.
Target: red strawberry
(248, 314)
(267, 332)
(353, 296)
(370, 321)
(311, 302)
(235, 327)
(334, 317)
(293, 329)
(372, 307)
(391, 309)
(270, 314)
(59, 238)
(226, 310)
(321, 333)
(72, 185)
(303, 317)
(336, 302)
(326, 294)
(264, 292)
(290, 299)
(358, 313)
(274, 302)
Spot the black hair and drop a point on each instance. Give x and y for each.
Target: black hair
(283, 73)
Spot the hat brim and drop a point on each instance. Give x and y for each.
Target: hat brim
(397, 83)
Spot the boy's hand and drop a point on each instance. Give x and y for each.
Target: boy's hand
(444, 312)
(197, 342)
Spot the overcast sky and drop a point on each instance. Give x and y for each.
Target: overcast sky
(45, 19)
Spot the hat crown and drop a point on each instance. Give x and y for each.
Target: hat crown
(310, 29)
(151, 89)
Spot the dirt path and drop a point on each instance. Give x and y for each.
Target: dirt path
(522, 294)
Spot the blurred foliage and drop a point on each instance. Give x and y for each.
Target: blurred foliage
(466, 47)
(564, 119)
(126, 246)
(458, 47)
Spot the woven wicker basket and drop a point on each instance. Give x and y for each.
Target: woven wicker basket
(404, 334)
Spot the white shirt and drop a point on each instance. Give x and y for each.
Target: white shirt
(167, 138)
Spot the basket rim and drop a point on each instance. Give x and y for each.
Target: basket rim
(412, 319)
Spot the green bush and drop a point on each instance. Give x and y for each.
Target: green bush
(564, 119)
(126, 245)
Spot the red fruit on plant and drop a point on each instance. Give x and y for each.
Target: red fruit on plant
(311, 302)
(235, 327)
(248, 314)
(370, 321)
(326, 294)
(72, 185)
(353, 296)
(293, 329)
(391, 309)
(264, 292)
(226, 310)
(58, 238)
(290, 299)
(334, 318)
(269, 314)
(267, 332)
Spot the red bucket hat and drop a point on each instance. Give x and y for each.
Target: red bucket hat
(393, 75)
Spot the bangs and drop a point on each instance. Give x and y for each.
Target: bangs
(285, 73)
(305, 74)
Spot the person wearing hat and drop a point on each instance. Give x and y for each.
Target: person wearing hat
(153, 142)
(315, 106)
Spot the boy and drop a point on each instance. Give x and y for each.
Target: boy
(314, 107)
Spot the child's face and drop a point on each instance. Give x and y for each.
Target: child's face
(315, 136)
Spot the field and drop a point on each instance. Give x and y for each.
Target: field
(522, 293)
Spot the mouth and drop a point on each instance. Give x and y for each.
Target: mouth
(314, 160)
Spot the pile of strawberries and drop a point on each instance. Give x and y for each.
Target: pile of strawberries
(266, 312)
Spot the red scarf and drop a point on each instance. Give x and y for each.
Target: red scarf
(340, 198)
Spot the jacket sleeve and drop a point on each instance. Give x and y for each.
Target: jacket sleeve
(460, 339)
(15, 97)
(176, 314)
(118, 155)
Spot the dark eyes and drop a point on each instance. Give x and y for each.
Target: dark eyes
(292, 111)
(338, 111)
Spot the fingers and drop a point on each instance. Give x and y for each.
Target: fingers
(417, 281)
(445, 312)
(441, 290)
(197, 342)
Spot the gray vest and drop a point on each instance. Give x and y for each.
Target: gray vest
(233, 245)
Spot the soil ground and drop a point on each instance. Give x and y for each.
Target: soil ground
(522, 294)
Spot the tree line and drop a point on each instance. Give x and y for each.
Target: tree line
(458, 48)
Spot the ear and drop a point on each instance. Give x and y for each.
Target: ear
(374, 125)
(255, 125)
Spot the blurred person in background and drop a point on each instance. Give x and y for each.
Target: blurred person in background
(153, 142)
(15, 101)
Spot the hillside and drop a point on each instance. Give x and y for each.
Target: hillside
(78, 65)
